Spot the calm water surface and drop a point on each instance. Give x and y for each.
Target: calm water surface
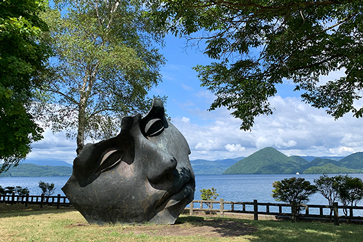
(243, 188)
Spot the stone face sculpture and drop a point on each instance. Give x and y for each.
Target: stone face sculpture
(143, 174)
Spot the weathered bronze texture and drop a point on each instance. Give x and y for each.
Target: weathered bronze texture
(141, 175)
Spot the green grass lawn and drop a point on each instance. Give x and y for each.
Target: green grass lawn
(18, 223)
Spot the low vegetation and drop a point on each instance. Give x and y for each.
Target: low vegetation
(18, 223)
(209, 194)
(48, 189)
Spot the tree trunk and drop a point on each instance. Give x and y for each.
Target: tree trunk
(81, 128)
(84, 93)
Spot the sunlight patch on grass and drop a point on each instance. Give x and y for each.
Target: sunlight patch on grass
(312, 231)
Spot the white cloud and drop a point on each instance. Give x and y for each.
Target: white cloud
(185, 120)
(54, 146)
(234, 147)
(341, 150)
(295, 128)
(206, 145)
(333, 75)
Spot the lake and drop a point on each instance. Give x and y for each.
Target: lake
(238, 188)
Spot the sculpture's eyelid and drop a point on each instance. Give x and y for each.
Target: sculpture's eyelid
(110, 160)
(154, 127)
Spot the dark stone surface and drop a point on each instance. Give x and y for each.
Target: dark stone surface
(141, 175)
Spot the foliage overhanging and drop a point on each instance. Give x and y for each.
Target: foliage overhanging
(258, 44)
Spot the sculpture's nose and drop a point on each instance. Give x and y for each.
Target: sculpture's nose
(161, 167)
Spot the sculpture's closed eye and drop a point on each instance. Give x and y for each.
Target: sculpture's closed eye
(109, 160)
(154, 127)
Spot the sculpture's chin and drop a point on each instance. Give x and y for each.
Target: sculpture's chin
(174, 205)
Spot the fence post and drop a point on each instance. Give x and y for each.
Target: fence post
(26, 200)
(58, 201)
(222, 207)
(12, 198)
(41, 200)
(255, 210)
(336, 213)
(191, 206)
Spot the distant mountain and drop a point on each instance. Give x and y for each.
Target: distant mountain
(299, 159)
(31, 170)
(271, 161)
(330, 169)
(319, 162)
(311, 158)
(207, 167)
(266, 161)
(46, 162)
(353, 161)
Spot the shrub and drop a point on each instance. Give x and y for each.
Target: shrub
(47, 188)
(293, 189)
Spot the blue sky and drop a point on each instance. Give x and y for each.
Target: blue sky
(295, 128)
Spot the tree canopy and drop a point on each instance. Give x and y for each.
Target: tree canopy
(258, 44)
(209, 194)
(22, 59)
(106, 61)
(293, 189)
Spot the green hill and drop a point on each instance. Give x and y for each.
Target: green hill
(271, 161)
(330, 169)
(31, 170)
(265, 161)
(353, 161)
(319, 162)
(299, 159)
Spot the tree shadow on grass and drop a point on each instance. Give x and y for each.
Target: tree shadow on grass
(16, 210)
(281, 231)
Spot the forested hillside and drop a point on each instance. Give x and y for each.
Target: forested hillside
(31, 170)
(265, 161)
(271, 161)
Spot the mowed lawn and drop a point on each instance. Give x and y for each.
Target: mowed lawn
(18, 223)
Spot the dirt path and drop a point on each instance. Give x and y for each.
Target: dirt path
(195, 226)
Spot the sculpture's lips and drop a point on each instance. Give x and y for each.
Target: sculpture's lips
(171, 199)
